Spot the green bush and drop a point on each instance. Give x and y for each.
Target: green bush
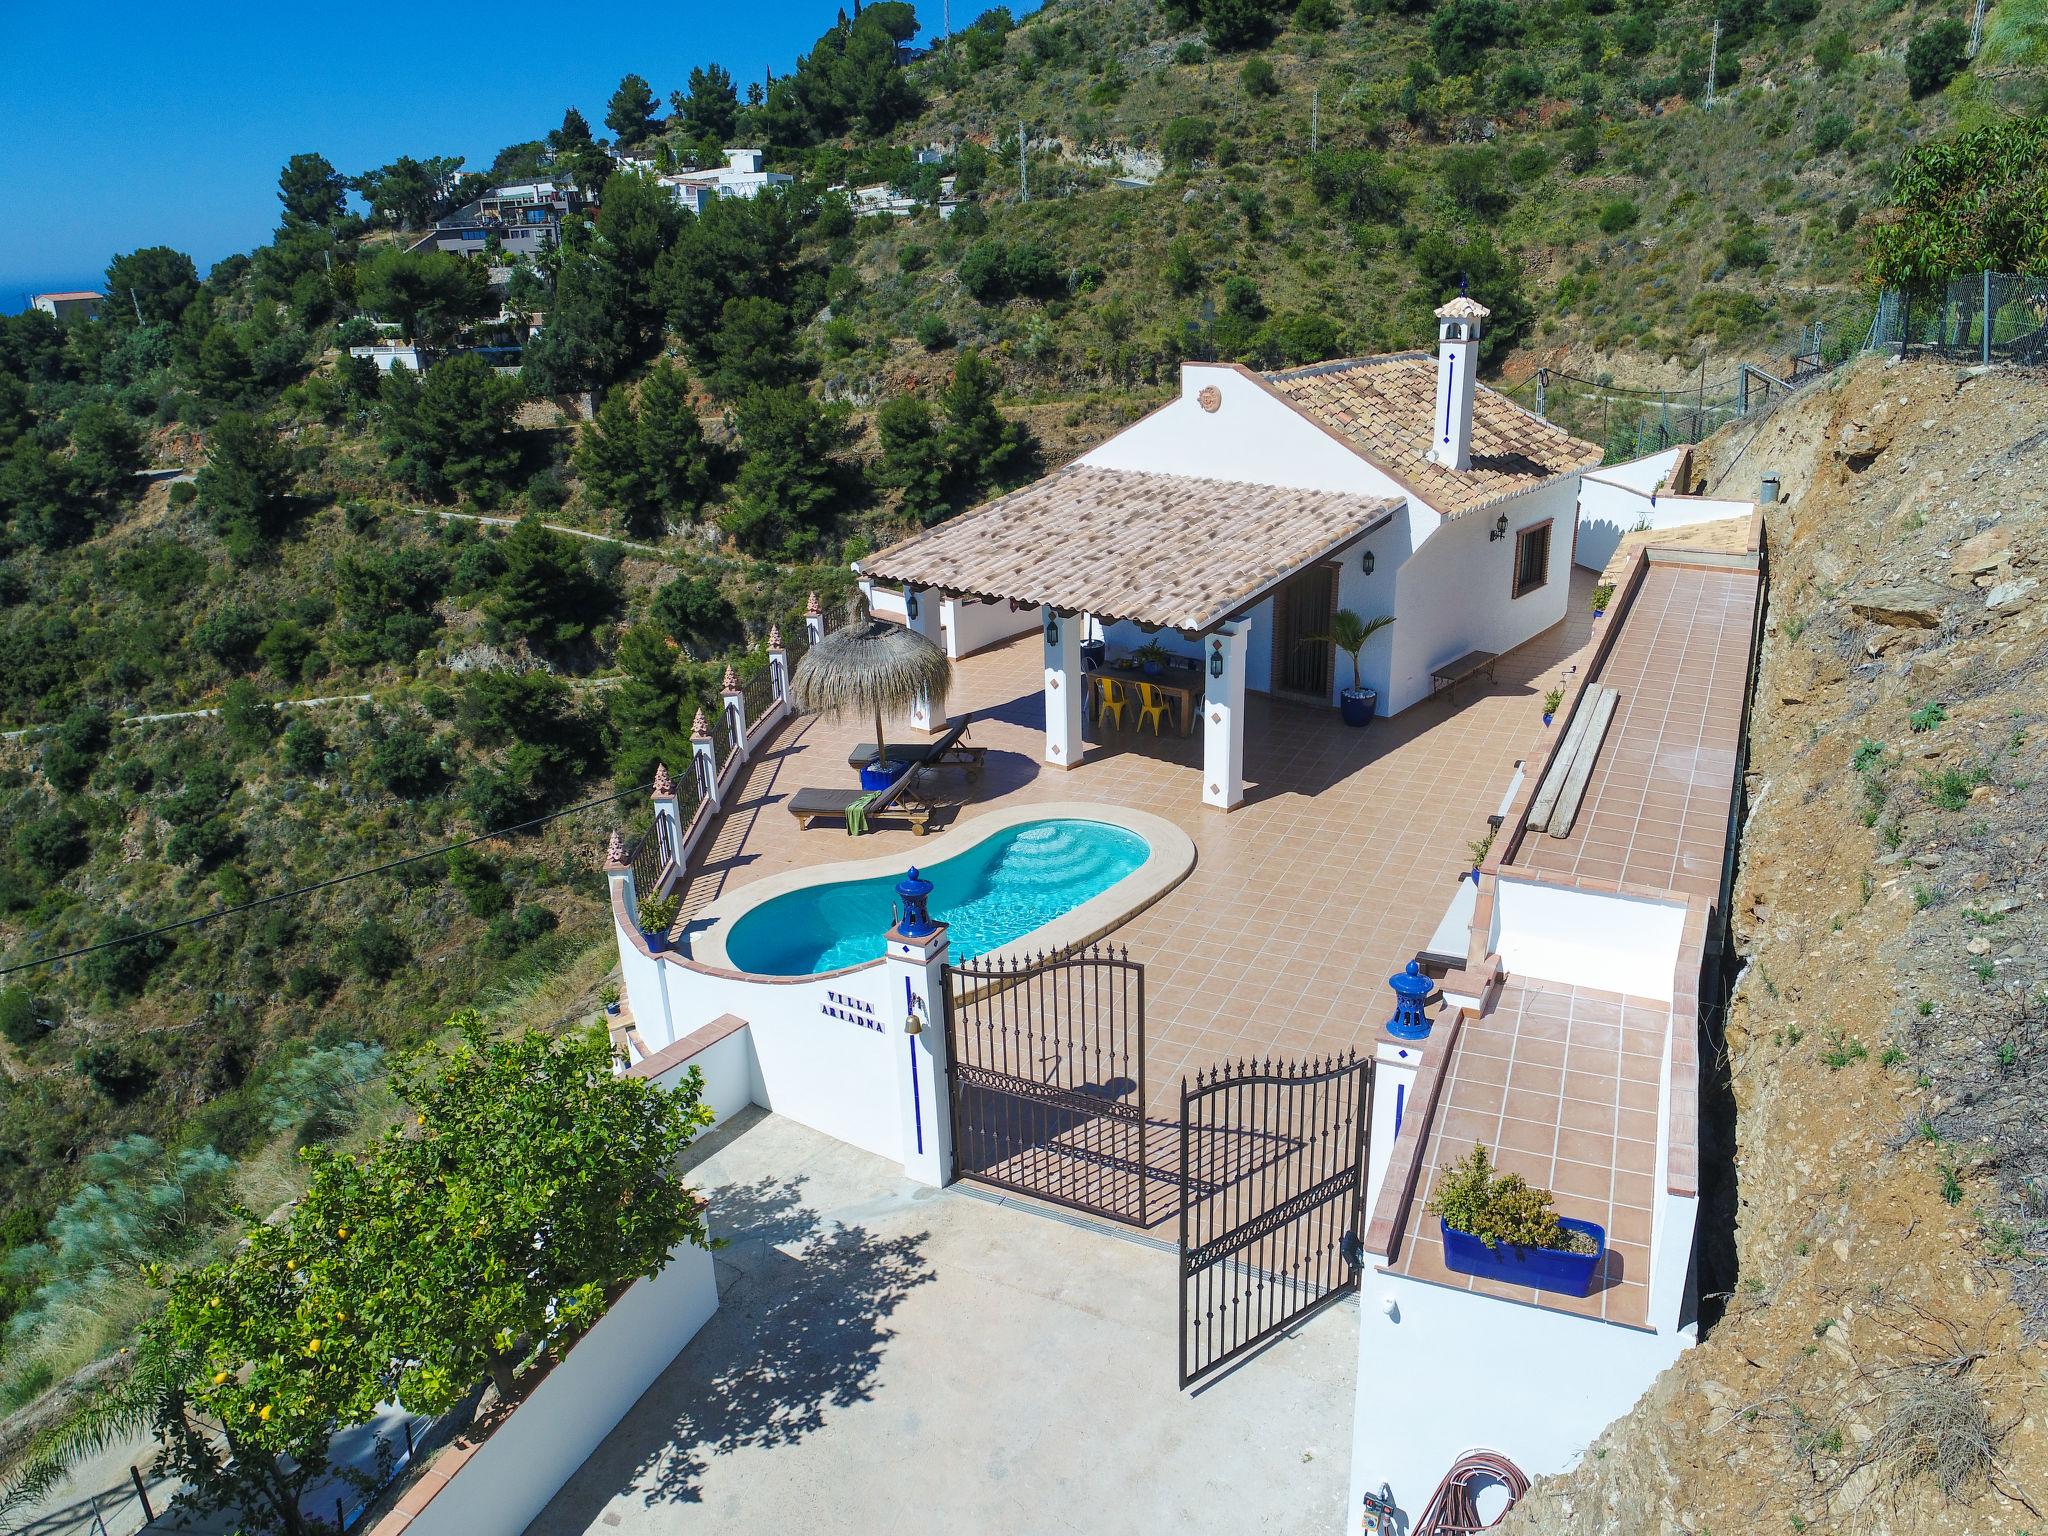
(1257, 77)
(1832, 52)
(658, 913)
(20, 1020)
(1316, 16)
(1186, 140)
(51, 844)
(1935, 56)
(376, 949)
(305, 748)
(1831, 133)
(1618, 215)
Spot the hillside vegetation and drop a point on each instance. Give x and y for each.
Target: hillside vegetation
(778, 386)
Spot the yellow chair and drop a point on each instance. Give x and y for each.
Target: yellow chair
(1152, 706)
(1110, 700)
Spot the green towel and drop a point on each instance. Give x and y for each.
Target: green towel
(857, 815)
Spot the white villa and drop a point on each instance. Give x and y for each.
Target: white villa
(1267, 502)
(744, 174)
(1316, 1004)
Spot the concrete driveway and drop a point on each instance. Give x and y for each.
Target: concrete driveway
(890, 1358)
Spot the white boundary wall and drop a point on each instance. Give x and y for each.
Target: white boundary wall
(1623, 944)
(1616, 499)
(508, 1481)
(1450, 1371)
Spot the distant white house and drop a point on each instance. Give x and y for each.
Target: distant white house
(743, 175)
(81, 305)
(883, 200)
(525, 217)
(388, 355)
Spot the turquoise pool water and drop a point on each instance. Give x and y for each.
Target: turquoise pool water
(991, 894)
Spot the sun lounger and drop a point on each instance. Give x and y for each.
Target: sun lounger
(901, 798)
(949, 748)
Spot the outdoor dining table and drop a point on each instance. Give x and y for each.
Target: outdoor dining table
(1186, 695)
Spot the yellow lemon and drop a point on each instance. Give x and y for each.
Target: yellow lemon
(263, 1413)
(219, 1377)
(313, 1348)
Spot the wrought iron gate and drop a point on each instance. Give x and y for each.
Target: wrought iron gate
(1272, 1168)
(1046, 1061)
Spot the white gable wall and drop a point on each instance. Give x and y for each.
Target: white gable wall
(1454, 593)
(1253, 437)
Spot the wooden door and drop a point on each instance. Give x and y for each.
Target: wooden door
(1304, 660)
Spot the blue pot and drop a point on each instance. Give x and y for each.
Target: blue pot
(656, 942)
(1544, 1269)
(1357, 705)
(1546, 717)
(1155, 668)
(880, 776)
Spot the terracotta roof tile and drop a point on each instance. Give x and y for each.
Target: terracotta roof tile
(1383, 406)
(1170, 550)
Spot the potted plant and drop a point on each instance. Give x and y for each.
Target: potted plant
(1349, 633)
(608, 994)
(1152, 657)
(657, 916)
(1602, 595)
(1479, 847)
(1550, 702)
(1495, 1226)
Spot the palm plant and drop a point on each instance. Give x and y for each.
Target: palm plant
(1349, 633)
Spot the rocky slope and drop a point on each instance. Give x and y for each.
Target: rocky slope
(1882, 1363)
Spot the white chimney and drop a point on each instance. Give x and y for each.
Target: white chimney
(1458, 326)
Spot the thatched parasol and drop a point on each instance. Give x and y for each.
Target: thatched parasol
(871, 664)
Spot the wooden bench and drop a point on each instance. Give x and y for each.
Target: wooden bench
(902, 798)
(1556, 803)
(950, 748)
(1462, 669)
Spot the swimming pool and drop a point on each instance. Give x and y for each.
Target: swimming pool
(990, 894)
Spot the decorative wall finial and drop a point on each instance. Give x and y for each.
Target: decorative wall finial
(731, 684)
(663, 784)
(774, 637)
(615, 851)
(700, 728)
(813, 605)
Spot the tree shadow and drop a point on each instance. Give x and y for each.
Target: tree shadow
(801, 1326)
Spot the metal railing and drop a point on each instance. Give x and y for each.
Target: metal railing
(1984, 317)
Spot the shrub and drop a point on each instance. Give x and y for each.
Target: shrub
(1500, 1207)
(1517, 84)
(1935, 56)
(1831, 133)
(52, 844)
(1617, 215)
(1315, 16)
(933, 333)
(1528, 164)
(1190, 52)
(1832, 52)
(123, 967)
(1462, 31)
(1257, 77)
(250, 720)
(1746, 248)
(20, 1020)
(1582, 148)
(305, 748)
(1186, 140)
(1357, 183)
(376, 949)
(321, 1094)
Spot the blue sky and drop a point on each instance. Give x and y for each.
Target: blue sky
(148, 124)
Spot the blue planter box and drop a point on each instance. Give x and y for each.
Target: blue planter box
(1357, 705)
(1546, 1269)
(876, 779)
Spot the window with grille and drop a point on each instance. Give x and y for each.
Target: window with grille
(1532, 558)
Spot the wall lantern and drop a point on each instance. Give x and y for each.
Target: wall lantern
(1052, 629)
(1500, 528)
(1216, 658)
(1366, 561)
(910, 603)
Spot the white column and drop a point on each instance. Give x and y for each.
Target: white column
(703, 760)
(814, 621)
(1063, 684)
(668, 821)
(1223, 715)
(916, 1004)
(921, 613)
(778, 665)
(735, 707)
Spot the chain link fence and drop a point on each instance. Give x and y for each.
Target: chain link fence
(1986, 317)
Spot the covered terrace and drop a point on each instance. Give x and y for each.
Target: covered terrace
(1117, 553)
